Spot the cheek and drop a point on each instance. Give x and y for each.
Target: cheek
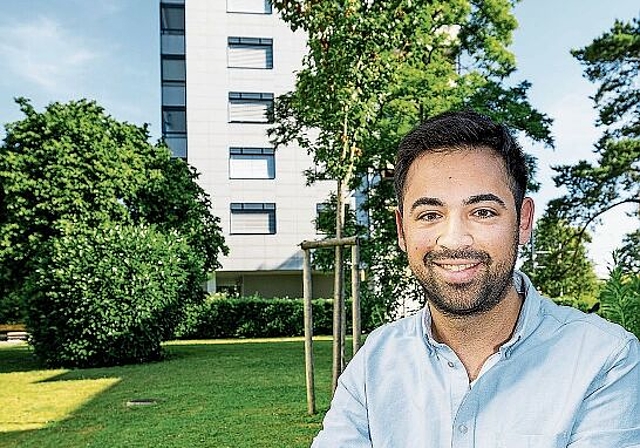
(420, 243)
(501, 243)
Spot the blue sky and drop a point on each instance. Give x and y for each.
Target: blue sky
(57, 50)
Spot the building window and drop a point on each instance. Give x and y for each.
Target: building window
(249, 6)
(171, 19)
(173, 93)
(174, 68)
(174, 129)
(250, 52)
(174, 77)
(177, 144)
(247, 107)
(252, 163)
(253, 218)
(174, 120)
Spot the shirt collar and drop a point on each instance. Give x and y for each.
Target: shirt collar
(528, 320)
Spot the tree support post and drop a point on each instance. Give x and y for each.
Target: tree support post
(308, 333)
(355, 296)
(338, 342)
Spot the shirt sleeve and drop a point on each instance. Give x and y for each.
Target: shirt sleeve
(610, 414)
(346, 424)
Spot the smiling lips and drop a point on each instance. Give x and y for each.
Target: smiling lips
(457, 267)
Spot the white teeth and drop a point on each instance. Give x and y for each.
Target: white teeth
(456, 267)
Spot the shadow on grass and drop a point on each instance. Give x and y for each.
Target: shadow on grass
(236, 394)
(17, 357)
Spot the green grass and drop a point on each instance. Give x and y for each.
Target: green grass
(209, 394)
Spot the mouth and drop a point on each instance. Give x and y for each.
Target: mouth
(458, 272)
(456, 267)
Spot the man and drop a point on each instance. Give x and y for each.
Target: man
(488, 362)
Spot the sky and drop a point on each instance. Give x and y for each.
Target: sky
(58, 50)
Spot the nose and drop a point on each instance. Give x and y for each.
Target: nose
(454, 234)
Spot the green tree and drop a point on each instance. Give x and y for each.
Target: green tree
(72, 163)
(560, 270)
(373, 71)
(613, 62)
(176, 202)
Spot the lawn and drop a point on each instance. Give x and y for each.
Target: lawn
(207, 394)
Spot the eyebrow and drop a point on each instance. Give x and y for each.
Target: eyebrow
(433, 202)
(476, 199)
(486, 197)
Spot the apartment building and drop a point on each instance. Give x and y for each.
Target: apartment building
(222, 64)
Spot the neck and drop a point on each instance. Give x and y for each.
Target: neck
(474, 338)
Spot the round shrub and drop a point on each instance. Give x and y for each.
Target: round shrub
(107, 296)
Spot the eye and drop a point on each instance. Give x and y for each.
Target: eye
(484, 213)
(429, 216)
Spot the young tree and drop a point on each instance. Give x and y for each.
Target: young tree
(72, 163)
(613, 61)
(374, 70)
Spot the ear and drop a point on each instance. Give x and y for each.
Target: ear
(401, 242)
(526, 221)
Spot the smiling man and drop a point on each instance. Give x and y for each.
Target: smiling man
(488, 362)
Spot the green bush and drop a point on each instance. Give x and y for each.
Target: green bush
(255, 317)
(620, 299)
(11, 309)
(107, 296)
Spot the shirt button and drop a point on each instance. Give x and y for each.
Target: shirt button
(463, 429)
(451, 364)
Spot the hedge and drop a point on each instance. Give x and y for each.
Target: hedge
(255, 317)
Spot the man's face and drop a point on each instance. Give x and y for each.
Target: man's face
(460, 229)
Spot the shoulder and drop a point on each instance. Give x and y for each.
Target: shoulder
(410, 326)
(388, 340)
(566, 316)
(576, 326)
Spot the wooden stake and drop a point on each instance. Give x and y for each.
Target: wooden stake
(308, 332)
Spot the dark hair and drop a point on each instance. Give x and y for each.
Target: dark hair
(462, 130)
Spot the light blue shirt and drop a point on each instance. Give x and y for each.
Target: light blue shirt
(564, 379)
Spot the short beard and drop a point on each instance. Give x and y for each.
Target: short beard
(477, 297)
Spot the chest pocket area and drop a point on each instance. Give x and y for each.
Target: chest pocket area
(510, 440)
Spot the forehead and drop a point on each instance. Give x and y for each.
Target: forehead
(457, 174)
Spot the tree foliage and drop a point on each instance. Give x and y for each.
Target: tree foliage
(560, 270)
(628, 256)
(613, 62)
(620, 299)
(73, 164)
(374, 70)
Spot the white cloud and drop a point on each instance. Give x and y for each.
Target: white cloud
(44, 53)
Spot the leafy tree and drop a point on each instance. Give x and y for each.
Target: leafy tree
(374, 70)
(612, 61)
(176, 202)
(559, 270)
(72, 163)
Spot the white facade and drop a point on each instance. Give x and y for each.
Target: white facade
(236, 62)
